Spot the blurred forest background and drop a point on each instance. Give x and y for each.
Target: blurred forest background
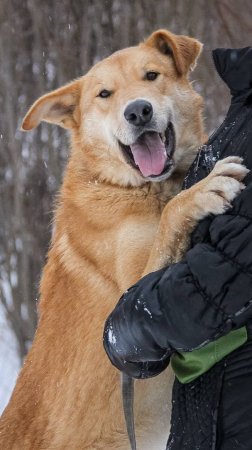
(44, 44)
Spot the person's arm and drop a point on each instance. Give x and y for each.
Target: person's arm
(190, 303)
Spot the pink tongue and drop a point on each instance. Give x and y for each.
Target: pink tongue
(149, 154)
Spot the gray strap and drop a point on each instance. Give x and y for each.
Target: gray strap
(128, 407)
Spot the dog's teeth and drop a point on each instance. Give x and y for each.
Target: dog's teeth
(163, 137)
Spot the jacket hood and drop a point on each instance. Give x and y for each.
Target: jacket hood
(235, 68)
(234, 135)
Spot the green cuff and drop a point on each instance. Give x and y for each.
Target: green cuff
(190, 365)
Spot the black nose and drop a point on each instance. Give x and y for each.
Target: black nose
(138, 112)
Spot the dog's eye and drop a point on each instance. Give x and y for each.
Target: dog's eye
(151, 76)
(104, 93)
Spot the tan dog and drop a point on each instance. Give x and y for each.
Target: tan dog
(135, 126)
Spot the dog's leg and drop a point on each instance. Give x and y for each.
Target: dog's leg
(180, 216)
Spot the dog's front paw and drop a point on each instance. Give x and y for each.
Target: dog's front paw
(214, 194)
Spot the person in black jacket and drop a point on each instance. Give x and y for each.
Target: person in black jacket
(205, 300)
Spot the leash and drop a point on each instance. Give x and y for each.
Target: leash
(128, 408)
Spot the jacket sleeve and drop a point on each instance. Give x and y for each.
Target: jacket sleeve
(185, 306)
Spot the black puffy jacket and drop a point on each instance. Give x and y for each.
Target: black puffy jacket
(205, 296)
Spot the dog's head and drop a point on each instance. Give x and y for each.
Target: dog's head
(134, 116)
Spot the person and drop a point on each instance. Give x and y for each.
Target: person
(200, 309)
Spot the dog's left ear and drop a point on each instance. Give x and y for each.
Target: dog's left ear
(59, 107)
(183, 49)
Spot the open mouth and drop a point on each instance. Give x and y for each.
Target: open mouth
(152, 153)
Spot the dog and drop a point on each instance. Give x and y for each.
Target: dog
(136, 124)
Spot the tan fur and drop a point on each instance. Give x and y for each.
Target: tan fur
(68, 395)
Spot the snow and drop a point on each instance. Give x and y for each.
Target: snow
(148, 311)
(111, 336)
(9, 360)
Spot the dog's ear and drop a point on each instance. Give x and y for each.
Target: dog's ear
(183, 49)
(59, 107)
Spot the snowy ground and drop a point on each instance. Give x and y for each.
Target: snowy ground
(9, 360)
